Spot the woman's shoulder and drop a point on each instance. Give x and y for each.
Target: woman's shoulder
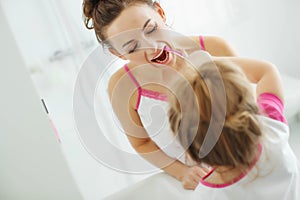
(122, 87)
(215, 45)
(115, 79)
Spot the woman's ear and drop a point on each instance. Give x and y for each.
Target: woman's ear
(160, 11)
(116, 53)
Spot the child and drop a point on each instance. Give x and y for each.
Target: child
(249, 156)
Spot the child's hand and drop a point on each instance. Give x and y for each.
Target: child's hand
(192, 176)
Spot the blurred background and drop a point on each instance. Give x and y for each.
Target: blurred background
(54, 44)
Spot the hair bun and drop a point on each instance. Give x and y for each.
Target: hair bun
(242, 121)
(239, 121)
(89, 6)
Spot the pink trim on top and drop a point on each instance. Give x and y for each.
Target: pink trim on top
(145, 92)
(136, 84)
(222, 185)
(272, 106)
(202, 42)
(154, 95)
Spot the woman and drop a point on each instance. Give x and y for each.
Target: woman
(135, 30)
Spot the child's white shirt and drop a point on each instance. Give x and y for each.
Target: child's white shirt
(275, 176)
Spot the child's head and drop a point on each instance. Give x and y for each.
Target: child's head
(238, 141)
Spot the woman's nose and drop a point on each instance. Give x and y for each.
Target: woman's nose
(149, 44)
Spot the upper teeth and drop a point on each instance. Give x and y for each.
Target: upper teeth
(158, 55)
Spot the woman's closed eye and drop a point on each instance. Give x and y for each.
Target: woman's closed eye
(132, 49)
(150, 29)
(147, 30)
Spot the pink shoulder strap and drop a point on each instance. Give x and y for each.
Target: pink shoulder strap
(131, 76)
(136, 84)
(202, 42)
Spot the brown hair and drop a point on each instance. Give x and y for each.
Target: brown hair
(237, 144)
(103, 12)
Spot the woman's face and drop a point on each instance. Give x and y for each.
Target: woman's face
(140, 35)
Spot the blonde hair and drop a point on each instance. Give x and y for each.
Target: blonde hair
(237, 144)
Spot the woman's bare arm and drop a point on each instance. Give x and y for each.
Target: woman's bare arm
(141, 142)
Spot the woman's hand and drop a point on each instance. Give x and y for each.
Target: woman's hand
(191, 177)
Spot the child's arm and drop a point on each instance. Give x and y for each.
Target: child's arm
(269, 89)
(264, 74)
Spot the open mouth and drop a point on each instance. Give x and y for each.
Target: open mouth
(162, 57)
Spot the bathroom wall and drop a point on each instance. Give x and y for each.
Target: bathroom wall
(267, 29)
(32, 165)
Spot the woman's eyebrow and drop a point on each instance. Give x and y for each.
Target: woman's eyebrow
(145, 25)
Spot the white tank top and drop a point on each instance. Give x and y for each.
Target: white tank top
(152, 108)
(275, 175)
(153, 111)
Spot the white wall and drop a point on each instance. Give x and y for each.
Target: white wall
(264, 29)
(32, 165)
(38, 31)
